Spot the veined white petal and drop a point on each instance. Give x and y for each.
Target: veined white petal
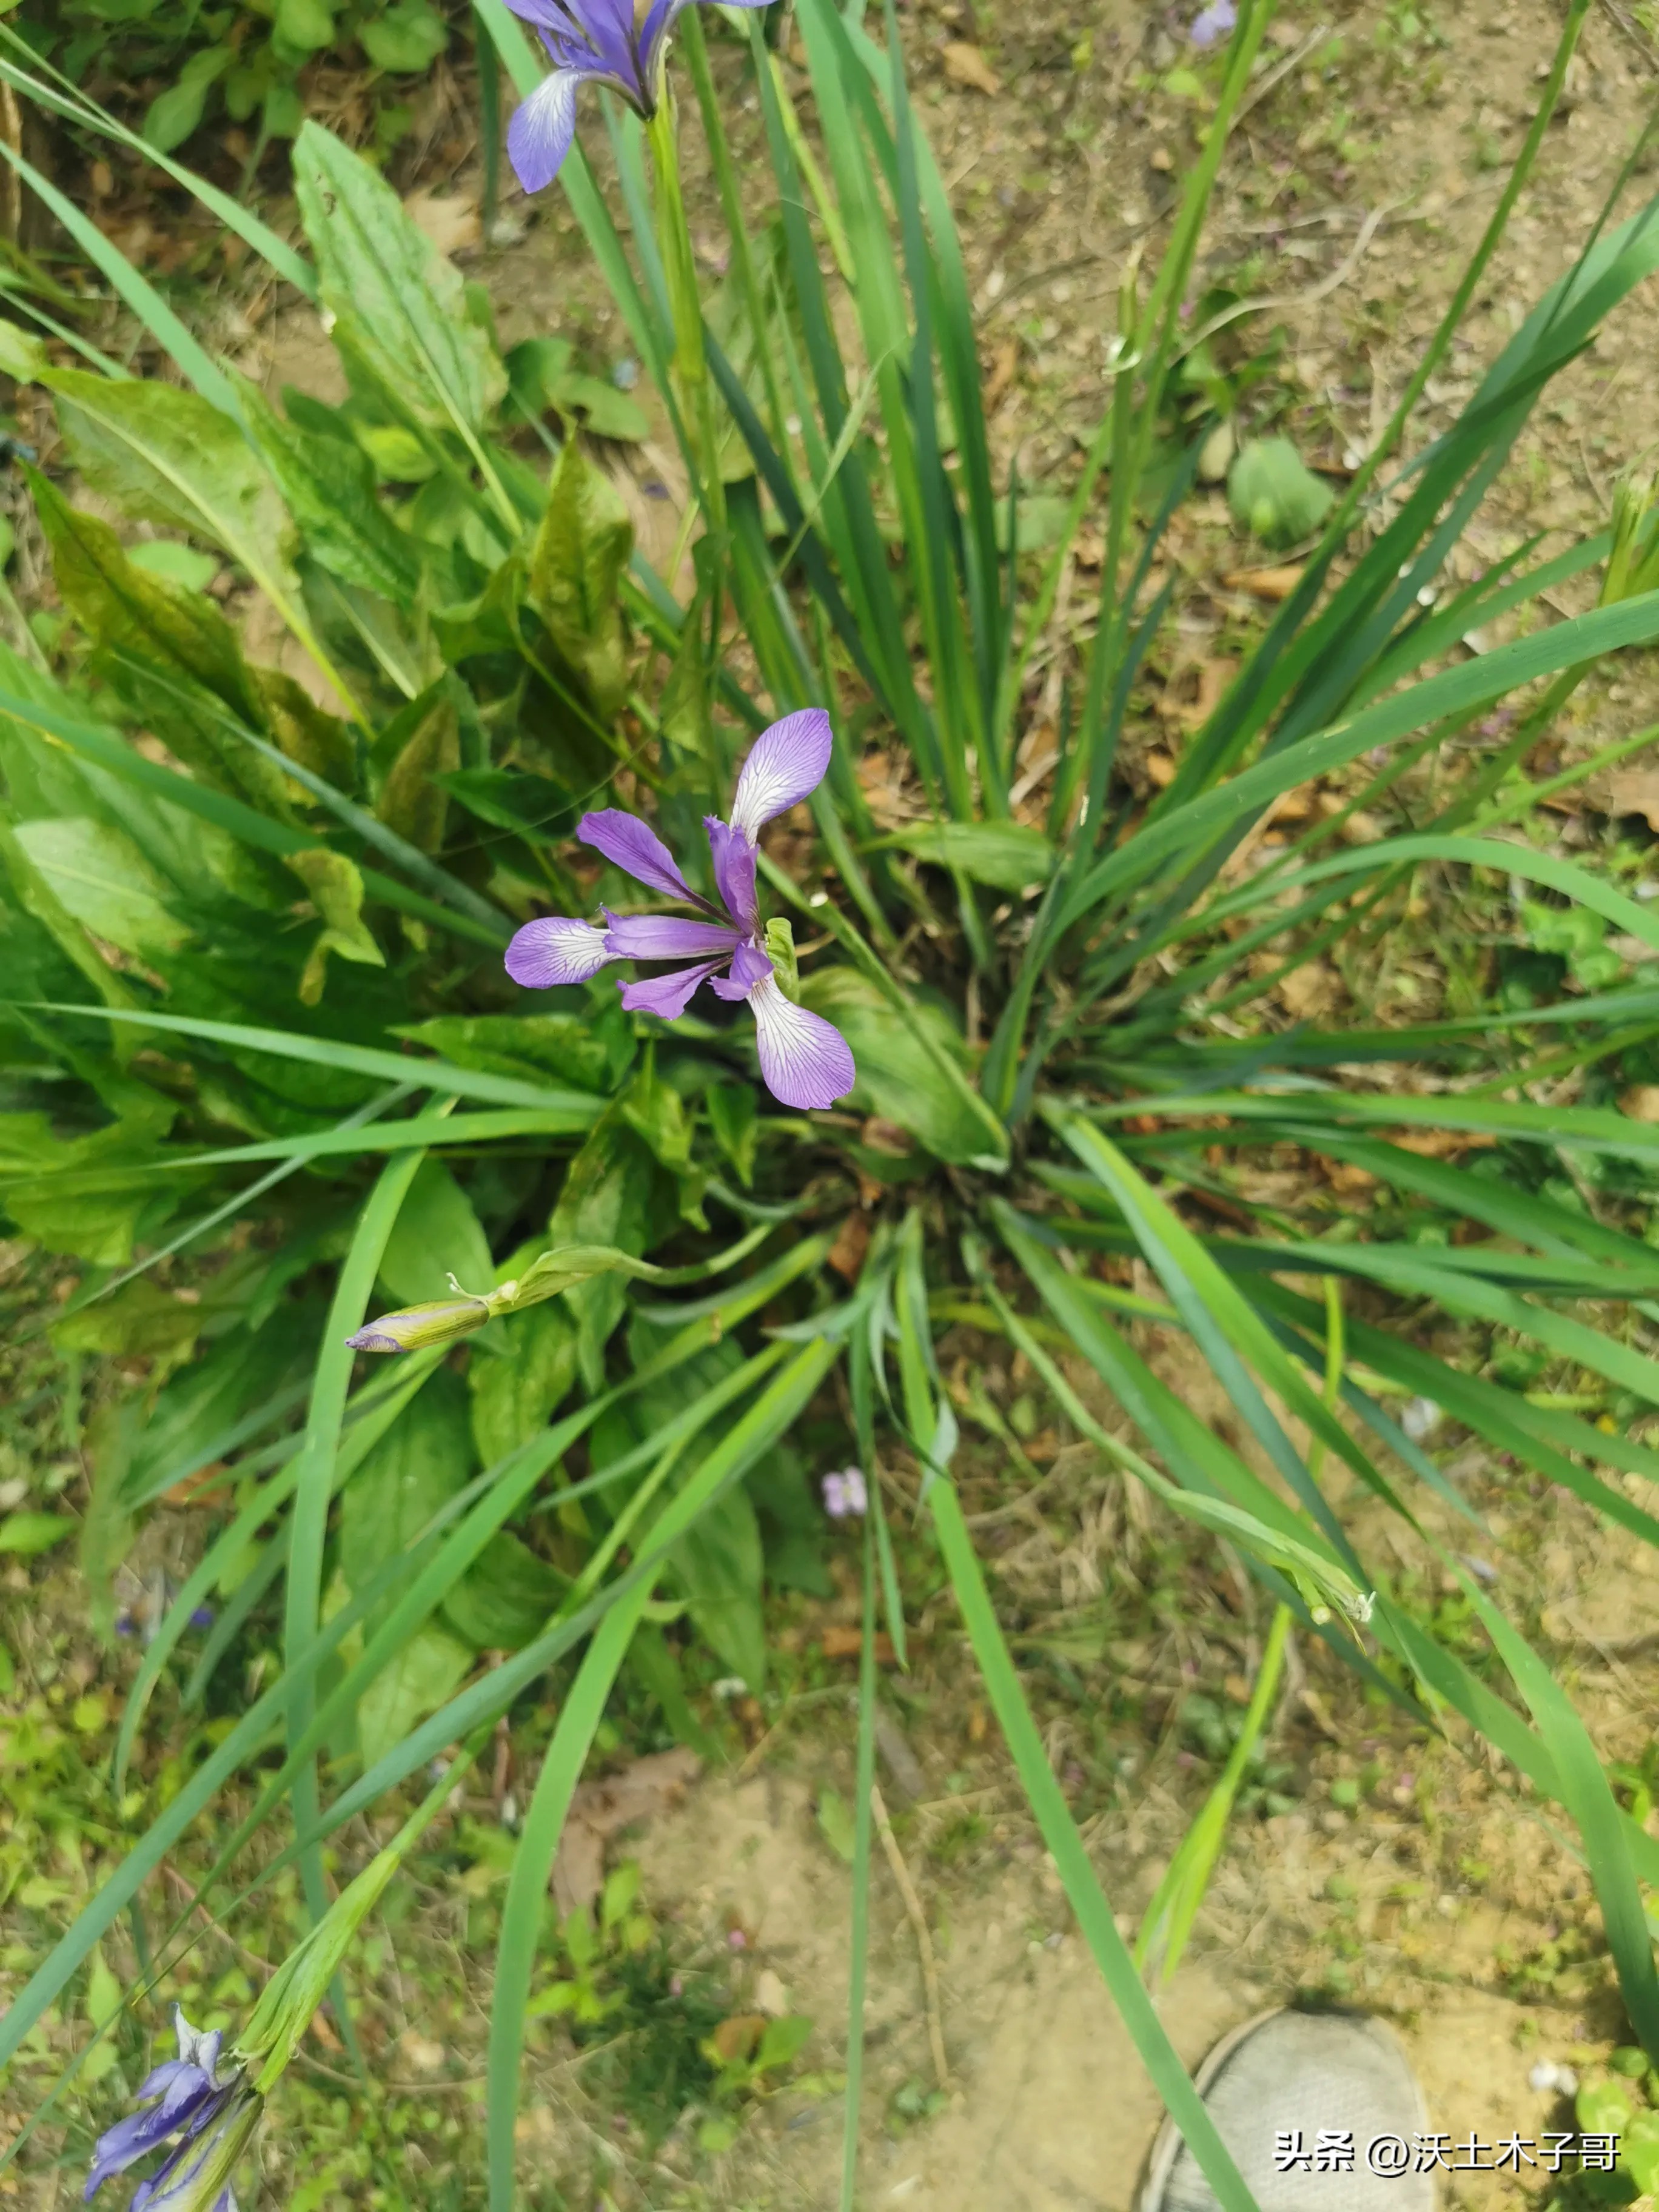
(805, 1060)
(558, 950)
(784, 764)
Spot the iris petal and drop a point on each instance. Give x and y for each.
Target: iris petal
(633, 847)
(785, 763)
(734, 872)
(805, 1060)
(667, 937)
(538, 138)
(667, 996)
(558, 950)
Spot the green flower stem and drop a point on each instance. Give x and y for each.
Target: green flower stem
(690, 365)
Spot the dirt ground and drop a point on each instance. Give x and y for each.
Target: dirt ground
(1408, 1876)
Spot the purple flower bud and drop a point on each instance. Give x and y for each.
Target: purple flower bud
(437, 1322)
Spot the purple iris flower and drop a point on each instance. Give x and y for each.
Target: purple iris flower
(1218, 21)
(804, 1060)
(191, 2093)
(588, 41)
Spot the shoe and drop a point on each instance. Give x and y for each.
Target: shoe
(1289, 2085)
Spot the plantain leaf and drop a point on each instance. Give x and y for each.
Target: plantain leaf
(576, 566)
(127, 607)
(517, 1390)
(897, 1077)
(412, 1684)
(165, 455)
(507, 1597)
(413, 803)
(593, 1051)
(173, 115)
(605, 1200)
(400, 313)
(1007, 855)
(103, 880)
(406, 40)
(436, 1235)
(328, 486)
(310, 736)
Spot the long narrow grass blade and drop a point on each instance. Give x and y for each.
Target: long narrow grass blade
(313, 1483)
(135, 288)
(771, 1416)
(437, 1075)
(1072, 1862)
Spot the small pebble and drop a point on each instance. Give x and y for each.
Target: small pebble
(1420, 1420)
(1549, 2078)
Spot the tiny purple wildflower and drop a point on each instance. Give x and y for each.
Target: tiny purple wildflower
(1218, 21)
(804, 1060)
(609, 42)
(190, 2097)
(845, 1495)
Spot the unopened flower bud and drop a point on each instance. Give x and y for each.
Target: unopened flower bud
(440, 1321)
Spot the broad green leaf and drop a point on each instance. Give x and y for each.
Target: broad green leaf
(165, 455)
(23, 354)
(437, 1235)
(136, 615)
(317, 742)
(413, 803)
(517, 1386)
(175, 562)
(507, 1598)
(400, 316)
(897, 1078)
(174, 114)
(408, 37)
(1004, 854)
(576, 568)
(29, 1532)
(103, 880)
(719, 1566)
(1275, 495)
(413, 1683)
(337, 891)
(328, 486)
(34, 894)
(142, 1321)
(593, 1051)
(603, 412)
(733, 1112)
(605, 1200)
(307, 24)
